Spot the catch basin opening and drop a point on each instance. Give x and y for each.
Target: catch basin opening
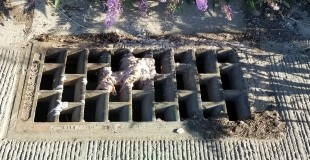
(180, 81)
(206, 62)
(166, 114)
(90, 110)
(41, 111)
(119, 114)
(47, 82)
(231, 110)
(92, 80)
(98, 56)
(72, 91)
(53, 56)
(116, 59)
(227, 56)
(213, 111)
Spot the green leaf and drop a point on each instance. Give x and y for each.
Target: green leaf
(57, 3)
(251, 4)
(286, 4)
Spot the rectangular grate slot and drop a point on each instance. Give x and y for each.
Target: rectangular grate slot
(231, 110)
(92, 80)
(163, 62)
(96, 107)
(116, 97)
(231, 77)
(137, 110)
(226, 84)
(71, 65)
(237, 105)
(68, 93)
(227, 56)
(75, 63)
(70, 115)
(116, 59)
(206, 62)
(213, 111)
(159, 63)
(119, 114)
(90, 110)
(183, 109)
(41, 111)
(142, 108)
(200, 63)
(188, 106)
(142, 53)
(204, 93)
(72, 91)
(51, 77)
(166, 114)
(122, 95)
(53, 56)
(159, 87)
(44, 106)
(209, 89)
(182, 57)
(65, 117)
(98, 56)
(185, 78)
(164, 90)
(47, 82)
(137, 86)
(180, 81)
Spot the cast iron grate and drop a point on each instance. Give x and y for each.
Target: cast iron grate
(203, 83)
(190, 86)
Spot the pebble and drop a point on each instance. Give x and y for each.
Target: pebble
(180, 131)
(241, 122)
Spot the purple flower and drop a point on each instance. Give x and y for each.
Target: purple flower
(202, 5)
(226, 8)
(163, 1)
(114, 11)
(143, 6)
(274, 6)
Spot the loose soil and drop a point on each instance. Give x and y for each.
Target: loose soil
(261, 125)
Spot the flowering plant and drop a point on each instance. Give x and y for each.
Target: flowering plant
(276, 4)
(114, 8)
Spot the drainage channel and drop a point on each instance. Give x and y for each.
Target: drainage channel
(189, 83)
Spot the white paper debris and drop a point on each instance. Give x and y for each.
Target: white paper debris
(132, 69)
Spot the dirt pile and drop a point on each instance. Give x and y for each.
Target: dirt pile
(262, 125)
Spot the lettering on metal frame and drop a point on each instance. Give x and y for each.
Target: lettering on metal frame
(79, 127)
(30, 87)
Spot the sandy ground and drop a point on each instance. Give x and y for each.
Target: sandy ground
(78, 17)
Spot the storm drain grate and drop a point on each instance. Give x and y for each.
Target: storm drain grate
(189, 83)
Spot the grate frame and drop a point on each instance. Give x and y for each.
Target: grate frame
(188, 84)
